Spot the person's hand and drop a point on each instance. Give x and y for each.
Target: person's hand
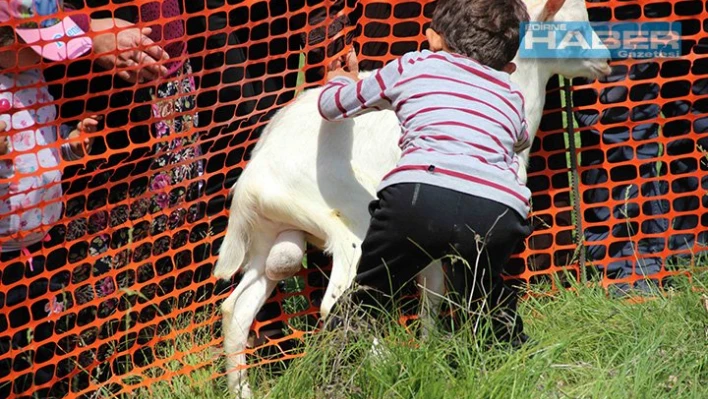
(4, 139)
(352, 67)
(5, 107)
(139, 50)
(88, 125)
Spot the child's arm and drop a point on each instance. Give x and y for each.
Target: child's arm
(74, 150)
(345, 96)
(4, 139)
(5, 120)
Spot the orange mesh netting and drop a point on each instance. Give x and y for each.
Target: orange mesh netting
(119, 294)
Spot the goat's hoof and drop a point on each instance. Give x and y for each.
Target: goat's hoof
(242, 392)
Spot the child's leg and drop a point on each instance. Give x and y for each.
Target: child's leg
(411, 225)
(486, 242)
(487, 296)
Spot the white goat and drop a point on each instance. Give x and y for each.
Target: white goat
(310, 181)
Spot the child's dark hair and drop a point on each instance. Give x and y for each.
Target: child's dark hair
(485, 30)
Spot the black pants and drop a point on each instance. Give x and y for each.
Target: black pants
(413, 224)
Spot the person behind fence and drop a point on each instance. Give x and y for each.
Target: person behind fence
(455, 190)
(163, 175)
(173, 160)
(172, 164)
(30, 171)
(631, 264)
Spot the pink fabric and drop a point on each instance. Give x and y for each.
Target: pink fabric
(54, 48)
(174, 29)
(82, 21)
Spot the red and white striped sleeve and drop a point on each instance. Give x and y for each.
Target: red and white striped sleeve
(343, 98)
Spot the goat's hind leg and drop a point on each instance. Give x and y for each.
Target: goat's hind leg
(431, 282)
(239, 310)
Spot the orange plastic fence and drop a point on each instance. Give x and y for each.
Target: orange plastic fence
(120, 295)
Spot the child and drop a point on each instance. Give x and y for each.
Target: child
(150, 214)
(31, 201)
(455, 190)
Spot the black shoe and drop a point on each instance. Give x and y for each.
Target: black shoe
(516, 342)
(332, 323)
(520, 340)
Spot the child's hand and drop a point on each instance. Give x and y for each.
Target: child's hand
(351, 71)
(4, 139)
(88, 125)
(5, 106)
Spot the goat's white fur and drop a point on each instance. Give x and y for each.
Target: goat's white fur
(311, 180)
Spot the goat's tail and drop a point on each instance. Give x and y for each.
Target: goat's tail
(233, 253)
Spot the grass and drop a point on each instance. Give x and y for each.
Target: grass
(588, 346)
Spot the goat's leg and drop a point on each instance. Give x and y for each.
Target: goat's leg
(239, 310)
(346, 254)
(432, 288)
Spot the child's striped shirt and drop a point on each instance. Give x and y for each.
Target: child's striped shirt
(462, 123)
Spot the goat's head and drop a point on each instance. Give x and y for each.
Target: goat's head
(569, 11)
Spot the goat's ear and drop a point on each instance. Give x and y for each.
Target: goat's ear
(550, 8)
